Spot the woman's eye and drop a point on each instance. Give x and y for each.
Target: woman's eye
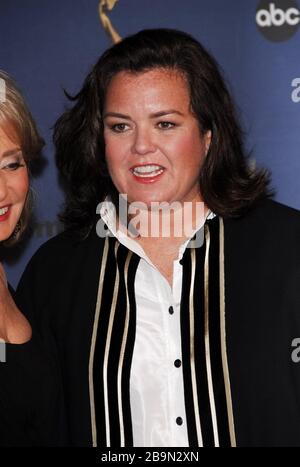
(166, 125)
(119, 127)
(13, 166)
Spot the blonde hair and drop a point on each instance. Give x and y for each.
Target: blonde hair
(15, 113)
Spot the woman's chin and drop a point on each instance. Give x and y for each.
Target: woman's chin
(148, 202)
(6, 232)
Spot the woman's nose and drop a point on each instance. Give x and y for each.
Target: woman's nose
(3, 187)
(143, 142)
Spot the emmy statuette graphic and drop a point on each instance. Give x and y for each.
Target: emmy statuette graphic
(104, 7)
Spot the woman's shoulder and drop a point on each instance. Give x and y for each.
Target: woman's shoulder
(269, 215)
(278, 210)
(65, 245)
(60, 257)
(268, 226)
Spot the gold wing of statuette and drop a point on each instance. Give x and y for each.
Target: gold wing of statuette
(104, 7)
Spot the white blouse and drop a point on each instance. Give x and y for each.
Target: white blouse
(156, 381)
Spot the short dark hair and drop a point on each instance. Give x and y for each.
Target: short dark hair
(14, 111)
(228, 186)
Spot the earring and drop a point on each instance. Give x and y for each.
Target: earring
(17, 229)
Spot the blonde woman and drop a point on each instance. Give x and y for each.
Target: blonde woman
(22, 374)
(20, 143)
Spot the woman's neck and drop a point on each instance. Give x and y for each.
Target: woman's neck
(176, 222)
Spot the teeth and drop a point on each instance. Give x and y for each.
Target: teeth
(3, 211)
(147, 170)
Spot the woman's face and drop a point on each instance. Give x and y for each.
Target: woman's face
(154, 147)
(13, 182)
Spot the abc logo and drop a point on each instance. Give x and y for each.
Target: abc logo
(278, 20)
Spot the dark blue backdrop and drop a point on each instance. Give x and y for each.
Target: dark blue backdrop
(48, 45)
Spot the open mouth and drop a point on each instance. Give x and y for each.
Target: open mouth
(147, 171)
(4, 210)
(4, 213)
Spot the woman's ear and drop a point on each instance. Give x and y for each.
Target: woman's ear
(207, 141)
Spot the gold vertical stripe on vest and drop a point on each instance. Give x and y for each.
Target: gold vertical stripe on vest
(223, 338)
(93, 342)
(207, 341)
(107, 349)
(122, 352)
(192, 349)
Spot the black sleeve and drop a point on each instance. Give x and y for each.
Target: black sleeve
(23, 383)
(29, 387)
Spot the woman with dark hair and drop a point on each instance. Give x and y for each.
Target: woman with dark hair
(228, 186)
(171, 317)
